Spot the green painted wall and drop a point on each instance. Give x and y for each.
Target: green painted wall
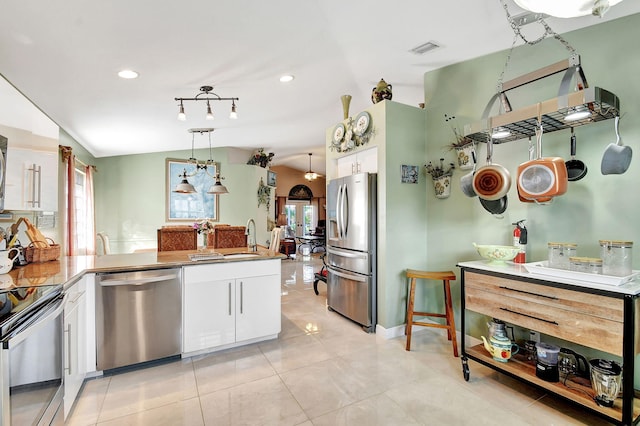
(596, 207)
(131, 197)
(398, 134)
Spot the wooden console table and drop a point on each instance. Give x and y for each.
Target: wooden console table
(598, 316)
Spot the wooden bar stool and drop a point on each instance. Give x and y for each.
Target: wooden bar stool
(450, 326)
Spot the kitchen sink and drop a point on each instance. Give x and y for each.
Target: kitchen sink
(240, 255)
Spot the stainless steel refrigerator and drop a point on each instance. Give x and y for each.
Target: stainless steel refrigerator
(351, 248)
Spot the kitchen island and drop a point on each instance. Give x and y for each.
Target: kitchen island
(598, 316)
(221, 301)
(69, 269)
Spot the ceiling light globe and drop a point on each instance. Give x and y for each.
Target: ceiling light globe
(128, 74)
(184, 187)
(567, 8)
(209, 112)
(181, 115)
(218, 188)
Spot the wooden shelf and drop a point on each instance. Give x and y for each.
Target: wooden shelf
(577, 392)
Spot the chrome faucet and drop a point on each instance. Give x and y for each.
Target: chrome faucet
(251, 240)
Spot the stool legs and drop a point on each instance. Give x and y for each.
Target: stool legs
(448, 305)
(451, 330)
(412, 295)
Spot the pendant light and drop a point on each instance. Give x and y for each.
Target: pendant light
(184, 187)
(218, 187)
(310, 175)
(568, 8)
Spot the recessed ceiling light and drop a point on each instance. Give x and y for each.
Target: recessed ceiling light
(286, 78)
(128, 74)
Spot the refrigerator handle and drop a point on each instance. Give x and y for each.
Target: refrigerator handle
(353, 277)
(351, 255)
(345, 212)
(339, 211)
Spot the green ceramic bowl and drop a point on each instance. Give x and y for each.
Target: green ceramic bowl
(497, 254)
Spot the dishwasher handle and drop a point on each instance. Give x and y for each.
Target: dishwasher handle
(137, 281)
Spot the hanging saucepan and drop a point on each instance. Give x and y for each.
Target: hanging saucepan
(495, 207)
(542, 179)
(466, 181)
(576, 169)
(492, 181)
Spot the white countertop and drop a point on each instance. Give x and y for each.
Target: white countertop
(520, 270)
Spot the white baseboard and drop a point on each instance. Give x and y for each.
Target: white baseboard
(389, 333)
(397, 331)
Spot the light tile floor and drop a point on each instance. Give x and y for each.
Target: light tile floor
(322, 370)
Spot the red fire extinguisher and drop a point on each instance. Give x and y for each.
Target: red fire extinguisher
(520, 240)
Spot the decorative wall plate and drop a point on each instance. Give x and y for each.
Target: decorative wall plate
(338, 133)
(362, 123)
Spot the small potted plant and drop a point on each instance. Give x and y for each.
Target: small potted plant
(441, 178)
(463, 146)
(260, 158)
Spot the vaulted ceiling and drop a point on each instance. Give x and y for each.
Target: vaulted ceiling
(64, 57)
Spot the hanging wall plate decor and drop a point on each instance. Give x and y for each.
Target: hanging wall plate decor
(352, 135)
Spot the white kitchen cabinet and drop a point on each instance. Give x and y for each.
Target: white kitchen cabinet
(32, 177)
(360, 162)
(209, 312)
(75, 342)
(257, 307)
(229, 304)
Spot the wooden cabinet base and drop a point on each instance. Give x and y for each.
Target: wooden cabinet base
(575, 392)
(598, 318)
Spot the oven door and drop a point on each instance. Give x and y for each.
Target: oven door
(31, 362)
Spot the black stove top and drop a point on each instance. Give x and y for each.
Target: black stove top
(18, 304)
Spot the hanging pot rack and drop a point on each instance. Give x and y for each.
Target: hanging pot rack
(522, 123)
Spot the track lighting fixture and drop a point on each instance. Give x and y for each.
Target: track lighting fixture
(206, 94)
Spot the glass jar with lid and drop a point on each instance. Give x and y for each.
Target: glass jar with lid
(588, 265)
(559, 254)
(616, 257)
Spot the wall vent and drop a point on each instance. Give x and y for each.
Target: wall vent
(424, 48)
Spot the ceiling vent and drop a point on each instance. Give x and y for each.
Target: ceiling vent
(424, 48)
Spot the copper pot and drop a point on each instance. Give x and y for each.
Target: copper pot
(541, 179)
(492, 181)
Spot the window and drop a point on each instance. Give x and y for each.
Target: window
(83, 223)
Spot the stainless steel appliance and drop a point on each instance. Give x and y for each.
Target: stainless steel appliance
(606, 381)
(4, 142)
(138, 317)
(351, 248)
(31, 375)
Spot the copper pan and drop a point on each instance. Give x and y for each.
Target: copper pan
(491, 181)
(541, 179)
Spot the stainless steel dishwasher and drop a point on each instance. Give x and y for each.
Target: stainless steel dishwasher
(138, 317)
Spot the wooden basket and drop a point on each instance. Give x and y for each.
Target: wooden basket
(34, 254)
